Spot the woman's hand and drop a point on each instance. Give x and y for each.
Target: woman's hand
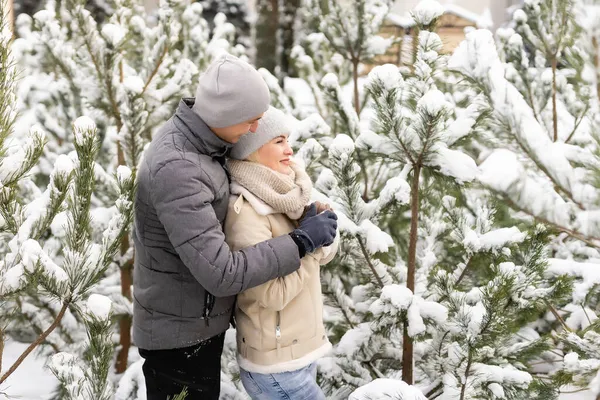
(320, 208)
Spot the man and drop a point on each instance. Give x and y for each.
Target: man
(185, 276)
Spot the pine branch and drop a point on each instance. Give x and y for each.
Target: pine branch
(1, 346)
(435, 390)
(407, 342)
(355, 62)
(369, 262)
(464, 271)
(37, 342)
(67, 74)
(530, 95)
(596, 47)
(554, 62)
(558, 317)
(577, 123)
(467, 371)
(103, 72)
(155, 70)
(589, 240)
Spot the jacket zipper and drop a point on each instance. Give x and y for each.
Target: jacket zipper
(209, 303)
(278, 331)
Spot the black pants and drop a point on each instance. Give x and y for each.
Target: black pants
(197, 368)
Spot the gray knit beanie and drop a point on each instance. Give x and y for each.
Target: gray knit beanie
(274, 123)
(230, 92)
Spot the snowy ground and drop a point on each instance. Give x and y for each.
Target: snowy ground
(31, 381)
(34, 382)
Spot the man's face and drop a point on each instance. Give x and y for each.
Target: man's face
(233, 133)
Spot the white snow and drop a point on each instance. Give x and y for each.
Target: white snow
(134, 84)
(508, 374)
(378, 45)
(520, 16)
(66, 366)
(397, 295)
(404, 21)
(426, 11)
(312, 126)
(434, 311)
(477, 58)
(493, 240)
(123, 173)
(476, 314)
(342, 146)
(59, 224)
(377, 240)
(99, 306)
(396, 189)
(16, 154)
(432, 102)
(113, 34)
(83, 128)
(32, 370)
(589, 272)
(500, 170)
(330, 80)
(455, 163)
(377, 143)
(353, 339)
(132, 384)
(63, 165)
(580, 317)
(396, 298)
(387, 388)
(460, 127)
(496, 390)
(503, 172)
(33, 256)
(416, 325)
(13, 279)
(388, 74)
(84, 123)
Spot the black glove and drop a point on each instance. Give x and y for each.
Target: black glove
(315, 230)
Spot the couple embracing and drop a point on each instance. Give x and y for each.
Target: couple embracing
(224, 231)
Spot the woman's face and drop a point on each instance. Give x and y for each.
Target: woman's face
(276, 155)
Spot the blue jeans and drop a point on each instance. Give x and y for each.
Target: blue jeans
(295, 385)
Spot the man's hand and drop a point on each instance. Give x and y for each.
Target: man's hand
(316, 229)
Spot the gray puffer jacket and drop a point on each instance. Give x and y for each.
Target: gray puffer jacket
(185, 275)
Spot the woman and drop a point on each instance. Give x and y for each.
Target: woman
(280, 332)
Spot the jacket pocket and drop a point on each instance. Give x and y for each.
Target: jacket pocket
(297, 328)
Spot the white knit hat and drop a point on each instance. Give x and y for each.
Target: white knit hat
(274, 123)
(230, 92)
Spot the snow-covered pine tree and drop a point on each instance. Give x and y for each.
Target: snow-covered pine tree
(236, 12)
(128, 74)
(318, 53)
(323, 52)
(64, 268)
(14, 165)
(31, 258)
(291, 26)
(276, 25)
(349, 35)
(100, 9)
(266, 35)
(541, 157)
(588, 17)
(461, 266)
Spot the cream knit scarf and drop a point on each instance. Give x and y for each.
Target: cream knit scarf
(287, 194)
